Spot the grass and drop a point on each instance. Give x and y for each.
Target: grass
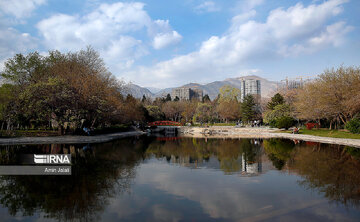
(327, 133)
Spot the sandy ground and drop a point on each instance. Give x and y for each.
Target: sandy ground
(259, 132)
(68, 139)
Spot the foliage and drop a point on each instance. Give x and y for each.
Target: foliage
(155, 113)
(168, 98)
(248, 108)
(333, 96)
(353, 125)
(229, 93)
(206, 99)
(229, 110)
(285, 122)
(203, 112)
(276, 100)
(62, 89)
(280, 110)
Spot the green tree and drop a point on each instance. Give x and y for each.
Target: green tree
(279, 111)
(228, 93)
(206, 99)
(168, 98)
(248, 108)
(155, 112)
(285, 122)
(277, 99)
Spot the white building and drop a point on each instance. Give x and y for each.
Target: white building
(250, 86)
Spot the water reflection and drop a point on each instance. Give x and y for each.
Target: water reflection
(184, 179)
(96, 176)
(231, 156)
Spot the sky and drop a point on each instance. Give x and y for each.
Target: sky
(159, 43)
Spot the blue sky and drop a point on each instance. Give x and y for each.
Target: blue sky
(162, 43)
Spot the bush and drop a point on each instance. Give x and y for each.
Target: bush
(353, 125)
(309, 126)
(285, 122)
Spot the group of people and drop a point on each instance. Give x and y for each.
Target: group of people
(255, 123)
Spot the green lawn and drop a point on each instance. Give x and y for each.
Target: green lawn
(328, 133)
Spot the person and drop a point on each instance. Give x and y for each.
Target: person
(87, 131)
(296, 130)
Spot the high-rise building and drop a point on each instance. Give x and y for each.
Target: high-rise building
(185, 93)
(250, 86)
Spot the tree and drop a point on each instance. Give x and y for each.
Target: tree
(168, 98)
(206, 99)
(203, 112)
(173, 110)
(277, 99)
(279, 111)
(176, 99)
(143, 99)
(155, 113)
(248, 108)
(228, 93)
(334, 96)
(49, 82)
(189, 110)
(229, 110)
(285, 122)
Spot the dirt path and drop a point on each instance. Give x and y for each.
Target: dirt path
(68, 139)
(232, 132)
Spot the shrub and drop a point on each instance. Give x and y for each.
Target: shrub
(309, 126)
(353, 125)
(285, 122)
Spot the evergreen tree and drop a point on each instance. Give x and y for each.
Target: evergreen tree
(277, 99)
(176, 99)
(143, 99)
(248, 108)
(168, 98)
(206, 98)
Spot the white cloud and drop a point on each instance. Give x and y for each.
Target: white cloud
(162, 40)
(20, 8)
(286, 32)
(163, 34)
(110, 29)
(12, 42)
(250, 4)
(207, 6)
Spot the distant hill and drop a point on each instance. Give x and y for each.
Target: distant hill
(137, 91)
(268, 88)
(212, 89)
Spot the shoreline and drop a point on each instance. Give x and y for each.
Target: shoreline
(68, 139)
(221, 132)
(225, 132)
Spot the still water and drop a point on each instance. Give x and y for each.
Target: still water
(186, 179)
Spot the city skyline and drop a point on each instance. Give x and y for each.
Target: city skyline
(162, 44)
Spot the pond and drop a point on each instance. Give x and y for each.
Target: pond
(188, 179)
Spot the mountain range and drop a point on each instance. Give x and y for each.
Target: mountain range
(268, 88)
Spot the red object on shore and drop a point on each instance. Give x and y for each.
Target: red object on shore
(309, 126)
(164, 123)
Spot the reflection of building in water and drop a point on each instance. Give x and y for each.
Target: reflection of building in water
(251, 167)
(250, 160)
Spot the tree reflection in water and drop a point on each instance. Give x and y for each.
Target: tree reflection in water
(98, 173)
(232, 155)
(103, 171)
(332, 170)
